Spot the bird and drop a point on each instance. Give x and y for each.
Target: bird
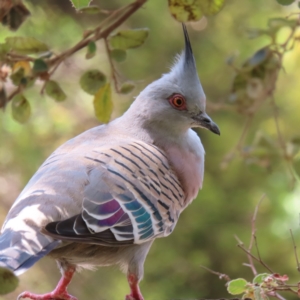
(104, 196)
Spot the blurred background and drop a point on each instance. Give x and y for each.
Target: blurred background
(205, 232)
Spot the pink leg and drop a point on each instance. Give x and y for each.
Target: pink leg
(60, 292)
(134, 288)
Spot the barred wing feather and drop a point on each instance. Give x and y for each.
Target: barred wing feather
(132, 196)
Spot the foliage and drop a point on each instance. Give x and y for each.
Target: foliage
(262, 285)
(184, 11)
(9, 281)
(255, 82)
(16, 50)
(256, 87)
(103, 103)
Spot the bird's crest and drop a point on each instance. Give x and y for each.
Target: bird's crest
(188, 57)
(185, 65)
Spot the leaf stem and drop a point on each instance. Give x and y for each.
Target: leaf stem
(112, 67)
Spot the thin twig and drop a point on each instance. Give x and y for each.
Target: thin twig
(14, 93)
(282, 143)
(17, 57)
(112, 66)
(221, 275)
(295, 250)
(292, 14)
(285, 44)
(241, 246)
(99, 33)
(238, 147)
(276, 295)
(244, 132)
(257, 249)
(279, 134)
(253, 236)
(280, 49)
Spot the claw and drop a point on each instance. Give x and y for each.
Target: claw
(60, 292)
(48, 296)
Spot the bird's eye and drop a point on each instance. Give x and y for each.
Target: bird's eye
(178, 102)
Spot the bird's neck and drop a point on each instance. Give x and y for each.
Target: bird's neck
(183, 148)
(186, 156)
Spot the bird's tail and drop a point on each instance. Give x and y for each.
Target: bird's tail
(18, 252)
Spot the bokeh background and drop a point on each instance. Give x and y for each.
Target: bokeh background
(205, 232)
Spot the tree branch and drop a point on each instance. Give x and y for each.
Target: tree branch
(96, 34)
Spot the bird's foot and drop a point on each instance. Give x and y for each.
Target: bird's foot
(131, 297)
(48, 296)
(134, 287)
(60, 292)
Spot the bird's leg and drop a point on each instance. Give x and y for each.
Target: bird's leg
(134, 288)
(60, 292)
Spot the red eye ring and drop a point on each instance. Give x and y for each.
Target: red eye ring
(177, 101)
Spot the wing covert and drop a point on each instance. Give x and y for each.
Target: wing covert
(132, 193)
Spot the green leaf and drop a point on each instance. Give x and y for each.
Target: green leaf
(20, 70)
(17, 76)
(103, 104)
(92, 80)
(27, 82)
(259, 294)
(8, 281)
(237, 286)
(193, 10)
(285, 2)
(93, 9)
(54, 91)
(211, 7)
(39, 66)
(91, 50)
(118, 55)
(127, 87)
(126, 39)
(185, 10)
(259, 278)
(78, 4)
(26, 45)
(20, 108)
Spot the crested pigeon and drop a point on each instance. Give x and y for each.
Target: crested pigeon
(103, 197)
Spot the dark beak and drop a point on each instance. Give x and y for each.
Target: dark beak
(204, 121)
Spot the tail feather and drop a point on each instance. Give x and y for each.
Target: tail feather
(30, 261)
(18, 253)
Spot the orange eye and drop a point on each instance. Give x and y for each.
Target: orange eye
(178, 102)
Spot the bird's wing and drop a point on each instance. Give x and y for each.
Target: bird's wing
(132, 196)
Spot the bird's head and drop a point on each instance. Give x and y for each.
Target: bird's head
(176, 101)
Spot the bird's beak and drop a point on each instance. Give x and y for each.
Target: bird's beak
(204, 121)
